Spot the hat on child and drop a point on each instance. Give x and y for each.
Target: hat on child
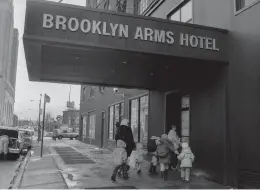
(164, 136)
(184, 145)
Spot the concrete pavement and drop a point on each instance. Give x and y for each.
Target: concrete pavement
(42, 173)
(8, 171)
(97, 174)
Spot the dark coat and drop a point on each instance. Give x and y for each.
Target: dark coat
(125, 133)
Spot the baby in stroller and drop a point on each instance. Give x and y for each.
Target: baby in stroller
(152, 146)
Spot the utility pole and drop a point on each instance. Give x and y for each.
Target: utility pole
(39, 118)
(46, 100)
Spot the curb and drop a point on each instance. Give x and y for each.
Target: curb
(16, 182)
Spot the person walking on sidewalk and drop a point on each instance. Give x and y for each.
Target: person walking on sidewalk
(173, 137)
(120, 159)
(164, 148)
(4, 142)
(125, 133)
(187, 158)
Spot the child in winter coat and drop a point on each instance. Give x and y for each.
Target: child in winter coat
(163, 151)
(139, 156)
(187, 158)
(151, 147)
(120, 159)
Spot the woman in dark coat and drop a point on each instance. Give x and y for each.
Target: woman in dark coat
(125, 133)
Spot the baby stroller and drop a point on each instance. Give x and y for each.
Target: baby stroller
(151, 148)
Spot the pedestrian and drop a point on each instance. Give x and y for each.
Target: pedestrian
(164, 148)
(139, 157)
(152, 147)
(187, 158)
(173, 137)
(125, 133)
(4, 142)
(120, 159)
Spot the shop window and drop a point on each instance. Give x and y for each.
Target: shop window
(139, 119)
(242, 4)
(185, 119)
(182, 14)
(116, 114)
(92, 125)
(84, 129)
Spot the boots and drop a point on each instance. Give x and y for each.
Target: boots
(165, 176)
(113, 177)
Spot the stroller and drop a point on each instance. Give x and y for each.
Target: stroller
(151, 148)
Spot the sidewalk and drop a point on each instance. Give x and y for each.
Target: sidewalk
(42, 173)
(97, 175)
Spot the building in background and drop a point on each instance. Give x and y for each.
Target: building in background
(15, 121)
(8, 61)
(71, 119)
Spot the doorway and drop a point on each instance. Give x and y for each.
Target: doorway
(102, 128)
(173, 112)
(178, 114)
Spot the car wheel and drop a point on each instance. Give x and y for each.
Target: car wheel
(76, 138)
(60, 137)
(71, 138)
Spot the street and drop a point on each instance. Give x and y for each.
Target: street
(7, 171)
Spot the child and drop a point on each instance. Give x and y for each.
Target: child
(163, 151)
(187, 158)
(120, 159)
(139, 156)
(151, 147)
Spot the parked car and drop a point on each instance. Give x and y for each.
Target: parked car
(58, 134)
(27, 136)
(49, 134)
(16, 142)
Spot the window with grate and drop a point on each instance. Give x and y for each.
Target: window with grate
(183, 13)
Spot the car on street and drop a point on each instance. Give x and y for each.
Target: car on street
(16, 142)
(49, 134)
(27, 136)
(60, 134)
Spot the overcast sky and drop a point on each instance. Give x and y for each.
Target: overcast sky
(26, 90)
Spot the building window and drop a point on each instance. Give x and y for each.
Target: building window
(185, 119)
(241, 4)
(101, 89)
(139, 119)
(92, 125)
(91, 92)
(143, 5)
(116, 114)
(84, 94)
(182, 14)
(84, 130)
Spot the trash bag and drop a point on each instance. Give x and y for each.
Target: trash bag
(132, 160)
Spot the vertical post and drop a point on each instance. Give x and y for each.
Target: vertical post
(44, 105)
(39, 125)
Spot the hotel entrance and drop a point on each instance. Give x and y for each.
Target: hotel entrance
(178, 114)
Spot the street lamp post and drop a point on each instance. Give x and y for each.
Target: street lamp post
(39, 118)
